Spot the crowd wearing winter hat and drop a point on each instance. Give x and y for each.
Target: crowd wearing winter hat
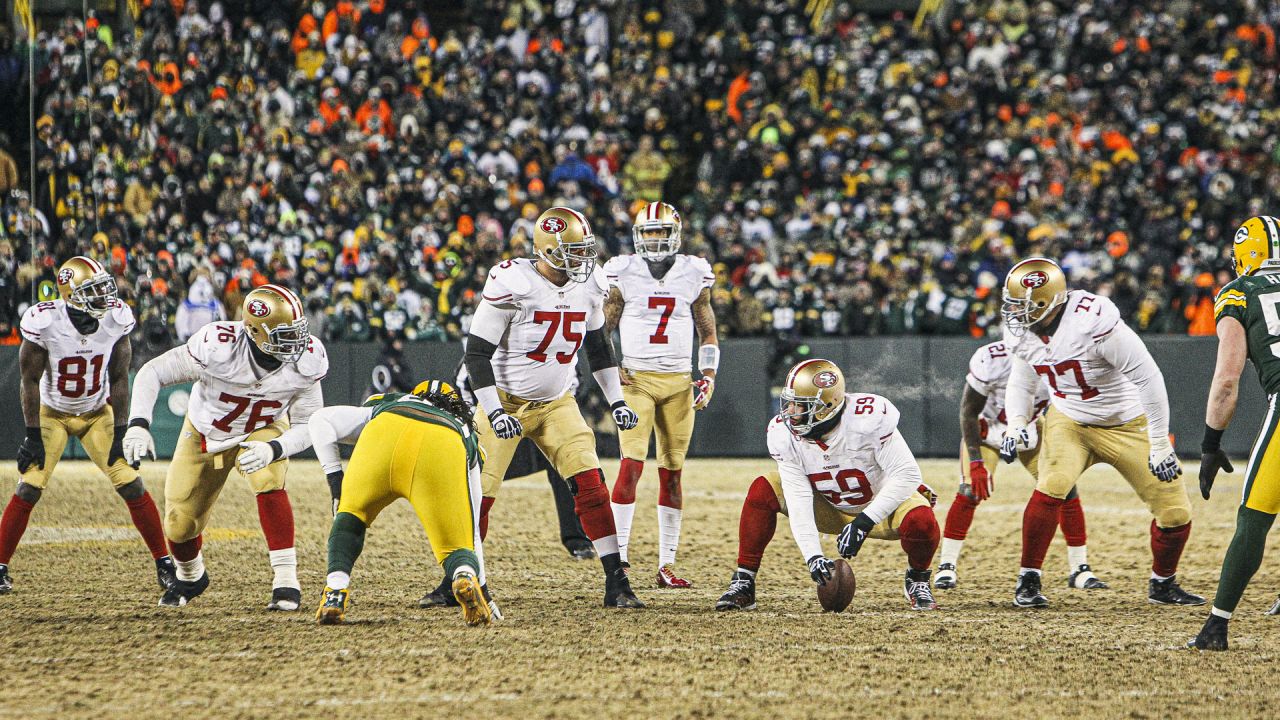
(846, 174)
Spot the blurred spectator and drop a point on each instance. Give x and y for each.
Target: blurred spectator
(198, 309)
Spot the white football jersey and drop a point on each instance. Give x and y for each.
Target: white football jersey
(75, 381)
(537, 357)
(657, 319)
(232, 396)
(989, 370)
(1082, 385)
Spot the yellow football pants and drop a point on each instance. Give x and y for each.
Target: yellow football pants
(664, 402)
(1262, 476)
(95, 431)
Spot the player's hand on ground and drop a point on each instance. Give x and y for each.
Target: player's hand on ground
(850, 539)
(138, 444)
(702, 390)
(31, 450)
(623, 416)
(980, 481)
(335, 488)
(505, 426)
(254, 456)
(1164, 463)
(1210, 463)
(624, 377)
(820, 569)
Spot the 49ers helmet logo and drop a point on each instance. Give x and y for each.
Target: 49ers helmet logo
(257, 308)
(554, 225)
(64, 276)
(1035, 279)
(825, 379)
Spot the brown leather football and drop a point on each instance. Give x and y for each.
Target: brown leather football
(836, 595)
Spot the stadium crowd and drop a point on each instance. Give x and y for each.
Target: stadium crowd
(845, 174)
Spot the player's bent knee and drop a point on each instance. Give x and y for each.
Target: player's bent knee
(761, 495)
(28, 493)
(180, 526)
(264, 482)
(1173, 517)
(132, 490)
(1056, 485)
(919, 524)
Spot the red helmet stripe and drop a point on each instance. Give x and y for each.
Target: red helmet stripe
(791, 377)
(586, 226)
(94, 265)
(288, 296)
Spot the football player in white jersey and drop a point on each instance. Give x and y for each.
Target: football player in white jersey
(1108, 404)
(521, 354)
(257, 382)
(657, 297)
(844, 469)
(982, 424)
(74, 365)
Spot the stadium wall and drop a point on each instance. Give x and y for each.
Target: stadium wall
(923, 376)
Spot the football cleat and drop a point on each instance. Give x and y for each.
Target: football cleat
(580, 549)
(1275, 608)
(667, 578)
(618, 593)
(1167, 592)
(1027, 594)
(1084, 579)
(6, 582)
(166, 572)
(741, 594)
(333, 607)
(285, 599)
(1213, 636)
(442, 596)
(471, 596)
(946, 579)
(183, 592)
(916, 589)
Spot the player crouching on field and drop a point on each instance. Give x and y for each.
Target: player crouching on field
(421, 447)
(843, 468)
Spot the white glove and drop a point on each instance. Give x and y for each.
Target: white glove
(1019, 437)
(255, 456)
(137, 444)
(1163, 462)
(505, 426)
(623, 416)
(702, 390)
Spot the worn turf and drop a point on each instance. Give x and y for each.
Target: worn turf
(81, 635)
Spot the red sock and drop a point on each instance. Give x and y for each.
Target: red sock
(918, 534)
(624, 490)
(592, 505)
(960, 517)
(486, 504)
(276, 515)
(1166, 548)
(1039, 524)
(1071, 516)
(757, 524)
(12, 525)
(669, 493)
(187, 549)
(147, 519)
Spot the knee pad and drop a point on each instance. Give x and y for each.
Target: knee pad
(624, 490)
(761, 495)
(590, 496)
(179, 526)
(1173, 517)
(585, 481)
(28, 493)
(669, 490)
(133, 490)
(919, 524)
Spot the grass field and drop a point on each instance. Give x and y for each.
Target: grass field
(81, 635)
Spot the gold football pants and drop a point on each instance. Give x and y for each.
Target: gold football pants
(664, 402)
(831, 520)
(555, 426)
(95, 430)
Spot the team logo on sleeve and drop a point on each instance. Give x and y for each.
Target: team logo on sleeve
(257, 308)
(554, 225)
(64, 275)
(825, 379)
(1035, 279)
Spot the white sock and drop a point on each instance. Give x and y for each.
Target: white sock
(1077, 555)
(950, 551)
(1220, 613)
(1159, 578)
(1024, 571)
(607, 545)
(741, 569)
(668, 534)
(338, 580)
(285, 564)
(190, 570)
(622, 515)
(463, 570)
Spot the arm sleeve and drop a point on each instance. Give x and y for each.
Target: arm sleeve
(479, 363)
(799, 496)
(603, 364)
(1126, 353)
(173, 367)
(333, 425)
(1020, 394)
(902, 477)
(297, 438)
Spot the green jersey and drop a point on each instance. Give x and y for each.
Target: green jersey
(1253, 300)
(415, 408)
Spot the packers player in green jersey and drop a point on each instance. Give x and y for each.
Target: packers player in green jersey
(422, 447)
(1248, 321)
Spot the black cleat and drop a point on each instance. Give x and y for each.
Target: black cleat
(442, 596)
(6, 582)
(741, 594)
(184, 592)
(946, 579)
(1213, 636)
(1084, 579)
(917, 591)
(166, 572)
(1028, 594)
(1167, 592)
(617, 591)
(285, 599)
(580, 549)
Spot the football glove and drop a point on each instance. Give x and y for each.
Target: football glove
(335, 488)
(850, 539)
(820, 569)
(1019, 439)
(1163, 462)
(31, 450)
(256, 455)
(117, 446)
(1210, 463)
(505, 426)
(137, 444)
(624, 417)
(980, 481)
(702, 390)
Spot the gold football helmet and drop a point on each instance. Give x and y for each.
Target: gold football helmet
(656, 232)
(1032, 289)
(275, 322)
(86, 285)
(562, 238)
(814, 392)
(1257, 245)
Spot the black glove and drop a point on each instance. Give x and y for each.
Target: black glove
(31, 451)
(1211, 459)
(850, 539)
(505, 426)
(117, 446)
(820, 569)
(335, 488)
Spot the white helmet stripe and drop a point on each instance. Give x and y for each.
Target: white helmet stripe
(1273, 236)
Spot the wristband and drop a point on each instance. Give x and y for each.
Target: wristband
(708, 358)
(140, 422)
(33, 433)
(276, 450)
(1212, 441)
(119, 431)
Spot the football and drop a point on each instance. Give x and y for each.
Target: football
(836, 595)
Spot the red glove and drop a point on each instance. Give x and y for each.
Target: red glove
(980, 480)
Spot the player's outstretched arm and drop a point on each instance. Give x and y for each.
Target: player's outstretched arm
(704, 320)
(971, 404)
(32, 360)
(329, 427)
(1126, 352)
(256, 454)
(1019, 403)
(173, 367)
(1233, 349)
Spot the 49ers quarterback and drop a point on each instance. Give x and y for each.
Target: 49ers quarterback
(656, 298)
(74, 362)
(1108, 404)
(248, 377)
(844, 469)
(521, 355)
